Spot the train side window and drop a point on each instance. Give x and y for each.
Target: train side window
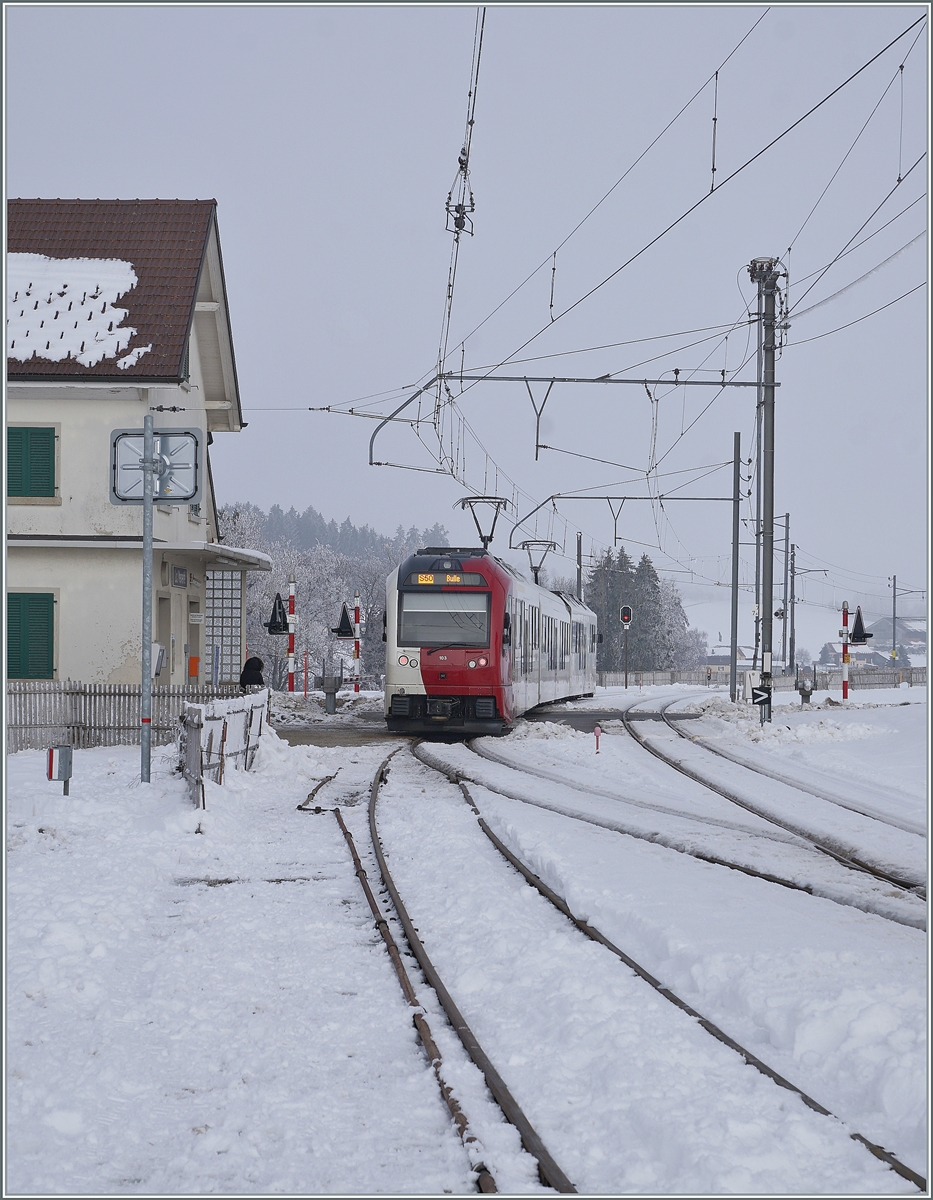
(507, 630)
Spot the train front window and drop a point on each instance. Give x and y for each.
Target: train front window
(443, 619)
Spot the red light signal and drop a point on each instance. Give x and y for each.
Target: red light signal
(625, 615)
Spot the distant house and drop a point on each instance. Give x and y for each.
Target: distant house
(721, 656)
(116, 309)
(911, 634)
(859, 656)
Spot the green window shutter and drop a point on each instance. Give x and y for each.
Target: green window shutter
(30, 626)
(30, 462)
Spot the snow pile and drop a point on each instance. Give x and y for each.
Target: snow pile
(294, 710)
(531, 731)
(822, 731)
(60, 308)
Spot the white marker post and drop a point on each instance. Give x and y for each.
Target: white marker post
(356, 642)
(597, 731)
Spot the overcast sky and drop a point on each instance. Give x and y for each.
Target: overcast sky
(329, 137)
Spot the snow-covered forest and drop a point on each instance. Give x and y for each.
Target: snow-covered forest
(330, 561)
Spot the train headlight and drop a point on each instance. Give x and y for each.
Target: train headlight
(483, 662)
(403, 660)
(413, 662)
(472, 662)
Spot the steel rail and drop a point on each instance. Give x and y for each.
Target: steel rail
(660, 840)
(484, 1179)
(698, 740)
(854, 864)
(751, 1059)
(550, 1172)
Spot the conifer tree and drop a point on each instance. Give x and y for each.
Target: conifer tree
(645, 641)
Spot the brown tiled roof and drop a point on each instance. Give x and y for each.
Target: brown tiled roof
(165, 240)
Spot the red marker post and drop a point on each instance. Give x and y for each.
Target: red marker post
(356, 642)
(597, 731)
(845, 649)
(291, 633)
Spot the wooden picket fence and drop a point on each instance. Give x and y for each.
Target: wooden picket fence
(42, 713)
(829, 678)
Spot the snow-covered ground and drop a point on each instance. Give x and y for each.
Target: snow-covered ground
(214, 1012)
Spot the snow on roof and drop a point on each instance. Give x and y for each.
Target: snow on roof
(61, 308)
(147, 255)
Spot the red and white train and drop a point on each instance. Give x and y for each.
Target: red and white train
(471, 645)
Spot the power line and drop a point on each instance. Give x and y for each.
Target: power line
(861, 278)
(849, 324)
(551, 257)
(857, 232)
(693, 207)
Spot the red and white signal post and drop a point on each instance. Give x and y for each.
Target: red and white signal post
(291, 633)
(844, 634)
(356, 641)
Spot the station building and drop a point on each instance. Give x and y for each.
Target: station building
(116, 309)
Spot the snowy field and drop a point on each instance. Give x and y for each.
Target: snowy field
(199, 1002)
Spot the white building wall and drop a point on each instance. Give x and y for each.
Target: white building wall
(98, 609)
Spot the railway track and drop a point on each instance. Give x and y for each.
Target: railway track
(847, 860)
(551, 1174)
(802, 786)
(812, 882)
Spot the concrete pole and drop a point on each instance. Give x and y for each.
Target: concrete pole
(145, 736)
(736, 502)
(580, 566)
(764, 271)
(894, 626)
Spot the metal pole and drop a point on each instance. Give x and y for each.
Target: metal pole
(356, 643)
(894, 627)
(793, 637)
(784, 609)
(291, 633)
(145, 736)
(765, 271)
(736, 501)
(625, 639)
(580, 566)
(758, 407)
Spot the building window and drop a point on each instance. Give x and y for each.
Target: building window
(30, 462)
(30, 624)
(180, 577)
(223, 601)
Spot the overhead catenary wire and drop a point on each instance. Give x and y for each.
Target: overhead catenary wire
(702, 200)
(855, 143)
(867, 221)
(842, 291)
(849, 324)
(620, 180)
